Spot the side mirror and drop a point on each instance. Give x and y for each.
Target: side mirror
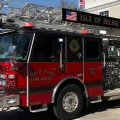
(111, 51)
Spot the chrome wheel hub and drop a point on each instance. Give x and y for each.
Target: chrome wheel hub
(70, 102)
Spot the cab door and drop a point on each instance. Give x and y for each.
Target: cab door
(43, 66)
(93, 65)
(74, 64)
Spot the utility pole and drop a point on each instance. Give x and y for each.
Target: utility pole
(0, 11)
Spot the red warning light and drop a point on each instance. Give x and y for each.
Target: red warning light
(28, 24)
(84, 31)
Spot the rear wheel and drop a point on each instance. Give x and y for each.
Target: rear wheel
(69, 103)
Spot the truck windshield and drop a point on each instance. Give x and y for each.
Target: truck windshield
(5, 41)
(17, 47)
(20, 47)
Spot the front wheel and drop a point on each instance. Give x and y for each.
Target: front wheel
(69, 103)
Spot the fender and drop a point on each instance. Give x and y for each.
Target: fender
(61, 82)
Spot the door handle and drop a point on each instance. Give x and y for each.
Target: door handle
(103, 59)
(54, 69)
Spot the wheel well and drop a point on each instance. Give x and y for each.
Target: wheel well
(68, 82)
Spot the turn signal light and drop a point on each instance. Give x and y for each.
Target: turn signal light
(11, 76)
(11, 83)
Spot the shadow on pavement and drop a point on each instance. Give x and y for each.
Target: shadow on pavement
(101, 107)
(21, 115)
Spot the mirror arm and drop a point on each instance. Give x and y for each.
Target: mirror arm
(11, 62)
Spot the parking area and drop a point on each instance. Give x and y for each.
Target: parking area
(98, 111)
(102, 111)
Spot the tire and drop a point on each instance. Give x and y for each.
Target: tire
(60, 110)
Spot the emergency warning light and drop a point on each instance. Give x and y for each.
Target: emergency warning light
(84, 31)
(28, 24)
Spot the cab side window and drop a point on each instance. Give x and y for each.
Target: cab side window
(93, 49)
(46, 48)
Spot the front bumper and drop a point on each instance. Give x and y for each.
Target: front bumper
(9, 101)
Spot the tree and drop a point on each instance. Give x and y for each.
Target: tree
(69, 5)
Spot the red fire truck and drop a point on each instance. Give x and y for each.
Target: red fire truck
(67, 70)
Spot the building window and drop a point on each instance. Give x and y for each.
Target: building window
(104, 13)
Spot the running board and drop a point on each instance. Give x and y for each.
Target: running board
(111, 93)
(108, 99)
(114, 98)
(44, 108)
(108, 95)
(96, 101)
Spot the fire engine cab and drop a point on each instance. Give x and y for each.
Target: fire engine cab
(68, 70)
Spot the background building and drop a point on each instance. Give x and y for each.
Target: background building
(109, 8)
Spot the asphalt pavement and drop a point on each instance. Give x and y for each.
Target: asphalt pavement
(98, 111)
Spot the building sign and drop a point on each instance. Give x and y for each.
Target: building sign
(91, 19)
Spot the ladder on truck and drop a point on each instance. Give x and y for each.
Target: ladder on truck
(41, 16)
(47, 18)
(44, 17)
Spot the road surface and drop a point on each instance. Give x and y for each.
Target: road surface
(99, 111)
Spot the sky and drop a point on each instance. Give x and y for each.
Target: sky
(52, 3)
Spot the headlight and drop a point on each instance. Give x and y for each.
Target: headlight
(3, 76)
